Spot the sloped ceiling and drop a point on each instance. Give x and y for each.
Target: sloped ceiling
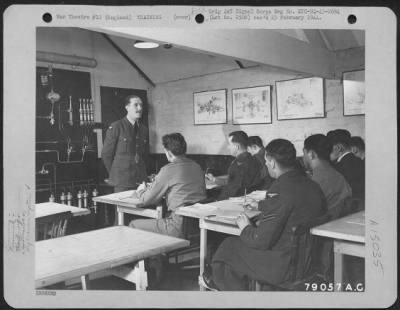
(198, 52)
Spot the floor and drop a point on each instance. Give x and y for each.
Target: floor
(175, 278)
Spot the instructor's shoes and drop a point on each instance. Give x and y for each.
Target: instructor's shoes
(207, 281)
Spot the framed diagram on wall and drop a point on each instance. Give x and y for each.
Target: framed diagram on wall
(354, 93)
(300, 98)
(252, 105)
(210, 107)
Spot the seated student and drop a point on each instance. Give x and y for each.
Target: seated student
(350, 166)
(181, 181)
(255, 147)
(244, 173)
(357, 147)
(262, 251)
(337, 191)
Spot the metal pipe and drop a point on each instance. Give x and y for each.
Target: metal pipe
(65, 162)
(66, 59)
(54, 174)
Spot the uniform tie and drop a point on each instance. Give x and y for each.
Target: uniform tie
(137, 140)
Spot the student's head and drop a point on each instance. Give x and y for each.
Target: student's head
(357, 146)
(340, 140)
(237, 142)
(134, 107)
(316, 148)
(254, 145)
(174, 145)
(280, 156)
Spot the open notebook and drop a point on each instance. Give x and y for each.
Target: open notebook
(230, 216)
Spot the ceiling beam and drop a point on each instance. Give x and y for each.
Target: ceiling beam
(349, 60)
(256, 45)
(130, 61)
(314, 37)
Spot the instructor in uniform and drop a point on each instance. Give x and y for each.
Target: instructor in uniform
(124, 148)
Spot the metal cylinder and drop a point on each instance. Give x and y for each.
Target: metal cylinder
(85, 198)
(79, 198)
(62, 197)
(69, 198)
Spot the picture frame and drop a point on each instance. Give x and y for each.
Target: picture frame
(300, 98)
(252, 105)
(354, 93)
(210, 107)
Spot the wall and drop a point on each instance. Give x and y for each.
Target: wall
(172, 111)
(112, 70)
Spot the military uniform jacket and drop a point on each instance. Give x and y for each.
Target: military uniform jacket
(245, 172)
(353, 170)
(335, 188)
(181, 182)
(263, 250)
(267, 179)
(119, 152)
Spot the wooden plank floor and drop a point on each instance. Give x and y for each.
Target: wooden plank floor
(174, 279)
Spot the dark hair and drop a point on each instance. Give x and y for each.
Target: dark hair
(255, 140)
(357, 142)
(339, 136)
(128, 99)
(240, 137)
(175, 143)
(282, 151)
(320, 144)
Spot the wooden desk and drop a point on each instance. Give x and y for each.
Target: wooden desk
(128, 205)
(50, 208)
(217, 216)
(79, 255)
(349, 239)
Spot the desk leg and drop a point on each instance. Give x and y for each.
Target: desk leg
(338, 269)
(120, 217)
(203, 253)
(85, 282)
(141, 276)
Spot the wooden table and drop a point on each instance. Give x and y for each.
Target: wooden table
(105, 249)
(125, 204)
(348, 234)
(218, 216)
(50, 208)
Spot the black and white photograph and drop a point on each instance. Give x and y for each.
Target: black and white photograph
(116, 197)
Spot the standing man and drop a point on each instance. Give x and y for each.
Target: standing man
(124, 148)
(244, 173)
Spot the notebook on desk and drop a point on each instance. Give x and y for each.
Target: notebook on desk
(229, 216)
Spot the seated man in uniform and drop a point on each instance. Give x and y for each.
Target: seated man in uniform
(357, 147)
(244, 173)
(337, 191)
(182, 183)
(350, 166)
(256, 148)
(262, 250)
